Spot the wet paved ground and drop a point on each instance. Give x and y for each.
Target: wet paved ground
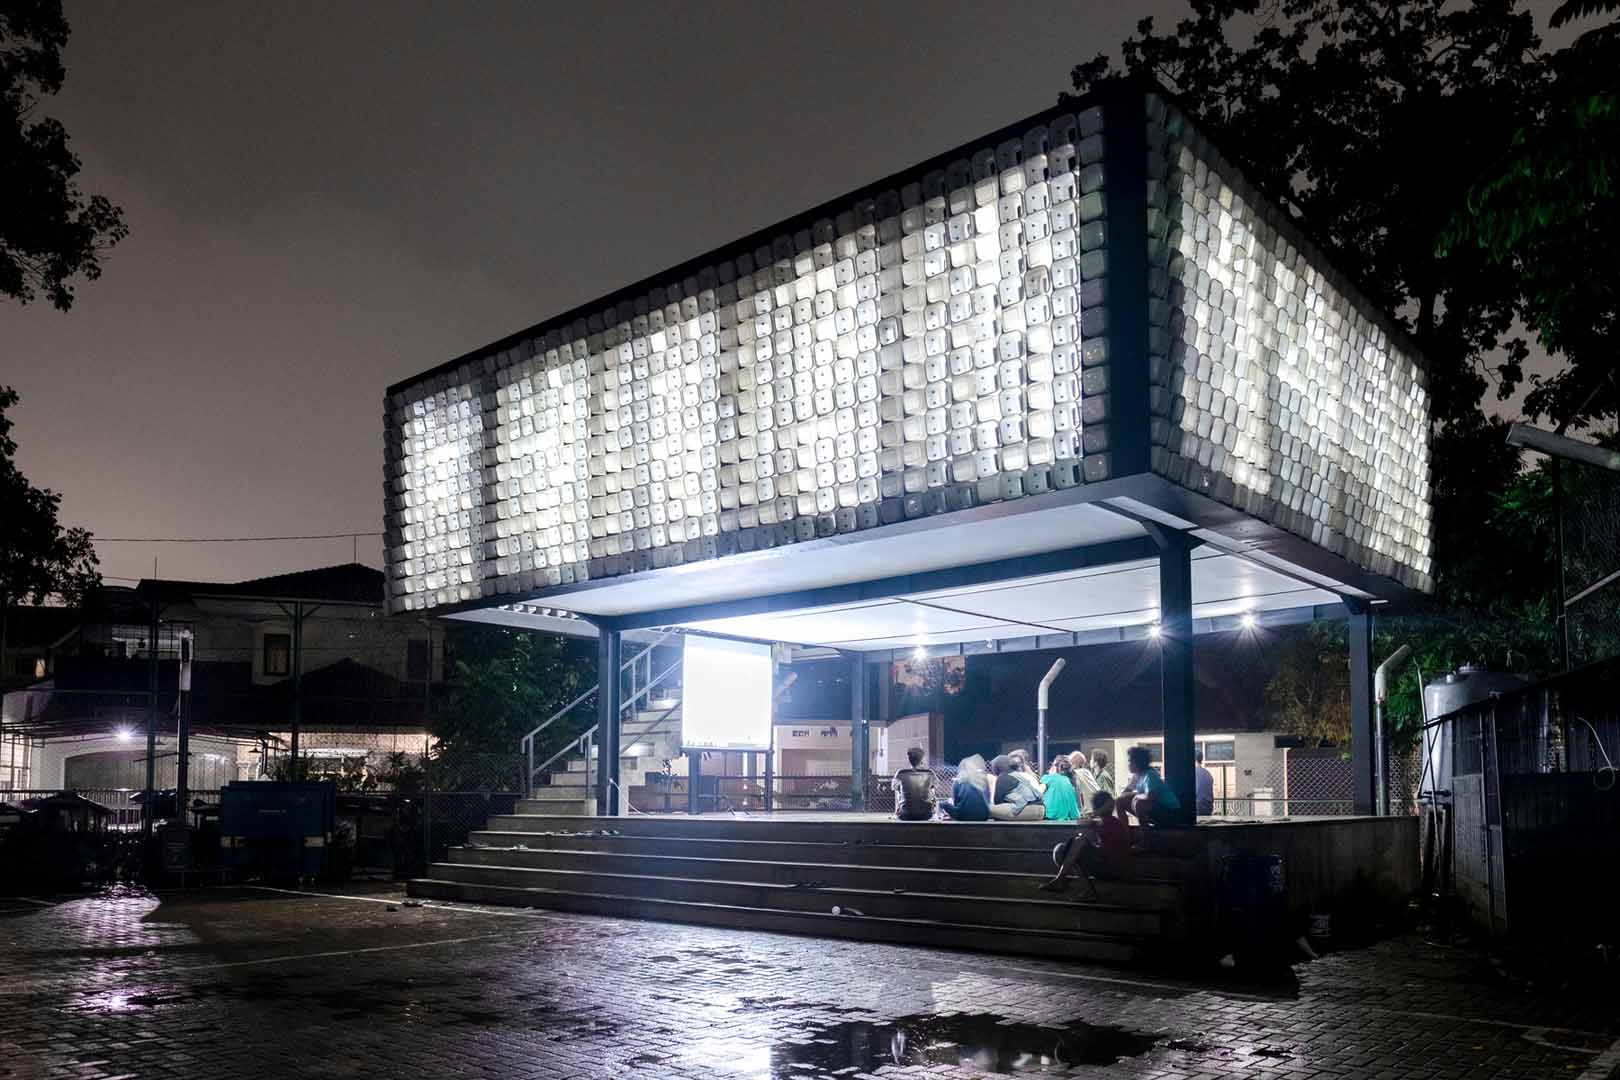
(253, 982)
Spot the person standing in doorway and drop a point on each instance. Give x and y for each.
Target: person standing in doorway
(1204, 782)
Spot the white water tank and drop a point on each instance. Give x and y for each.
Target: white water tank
(1446, 694)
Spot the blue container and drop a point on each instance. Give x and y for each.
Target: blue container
(280, 829)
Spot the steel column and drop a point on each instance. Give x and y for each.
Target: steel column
(860, 756)
(609, 702)
(1363, 741)
(1176, 666)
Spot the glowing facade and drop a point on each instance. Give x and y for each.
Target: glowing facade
(941, 340)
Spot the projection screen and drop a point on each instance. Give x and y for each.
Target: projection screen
(726, 700)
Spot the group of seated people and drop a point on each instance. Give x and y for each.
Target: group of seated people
(1010, 789)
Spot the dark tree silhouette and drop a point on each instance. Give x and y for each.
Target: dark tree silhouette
(50, 231)
(39, 559)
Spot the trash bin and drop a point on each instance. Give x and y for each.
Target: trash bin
(1254, 909)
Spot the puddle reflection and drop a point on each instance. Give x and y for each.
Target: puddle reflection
(977, 1041)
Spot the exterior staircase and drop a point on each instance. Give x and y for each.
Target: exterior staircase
(646, 739)
(940, 884)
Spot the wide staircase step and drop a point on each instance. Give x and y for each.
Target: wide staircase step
(854, 925)
(944, 884)
(1157, 896)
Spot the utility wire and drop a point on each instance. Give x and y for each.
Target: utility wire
(224, 539)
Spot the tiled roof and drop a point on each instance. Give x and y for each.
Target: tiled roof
(346, 581)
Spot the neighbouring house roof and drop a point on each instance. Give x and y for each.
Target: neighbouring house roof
(30, 627)
(346, 582)
(343, 695)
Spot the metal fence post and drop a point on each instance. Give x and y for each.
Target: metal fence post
(427, 830)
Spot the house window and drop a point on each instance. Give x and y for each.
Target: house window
(278, 654)
(417, 662)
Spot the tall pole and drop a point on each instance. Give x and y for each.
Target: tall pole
(297, 678)
(151, 715)
(1560, 610)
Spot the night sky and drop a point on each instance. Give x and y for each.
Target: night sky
(327, 198)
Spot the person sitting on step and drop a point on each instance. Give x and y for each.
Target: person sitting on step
(1083, 778)
(914, 789)
(1016, 798)
(1146, 795)
(970, 795)
(1057, 791)
(1101, 849)
(1100, 769)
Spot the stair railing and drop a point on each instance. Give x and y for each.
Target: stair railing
(640, 686)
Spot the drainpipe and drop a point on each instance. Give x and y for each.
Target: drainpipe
(1040, 712)
(1380, 746)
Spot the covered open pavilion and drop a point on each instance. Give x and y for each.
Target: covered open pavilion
(1074, 382)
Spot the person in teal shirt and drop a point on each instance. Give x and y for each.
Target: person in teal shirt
(1059, 797)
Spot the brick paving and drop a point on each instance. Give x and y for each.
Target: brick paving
(252, 982)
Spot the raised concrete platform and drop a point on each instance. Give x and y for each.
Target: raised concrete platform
(945, 884)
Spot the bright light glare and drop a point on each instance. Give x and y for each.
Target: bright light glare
(1248, 620)
(919, 653)
(124, 734)
(1154, 631)
(727, 694)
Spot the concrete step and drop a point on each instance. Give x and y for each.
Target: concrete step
(573, 806)
(609, 836)
(1139, 894)
(548, 793)
(1028, 913)
(1027, 836)
(865, 927)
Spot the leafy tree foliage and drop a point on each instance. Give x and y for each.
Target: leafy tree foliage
(50, 231)
(38, 558)
(1309, 693)
(504, 683)
(1549, 208)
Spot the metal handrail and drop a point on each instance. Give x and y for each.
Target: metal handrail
(590, 733)
(582, 745)
(526, 744)
(651, 728)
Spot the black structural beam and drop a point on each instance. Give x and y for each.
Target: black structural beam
(1176, 665)
(1363, 774)
(609, 701)
(1054, 562)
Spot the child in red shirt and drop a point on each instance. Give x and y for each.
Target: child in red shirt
(1102, 848)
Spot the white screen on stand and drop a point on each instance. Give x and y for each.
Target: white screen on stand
(726, 696)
